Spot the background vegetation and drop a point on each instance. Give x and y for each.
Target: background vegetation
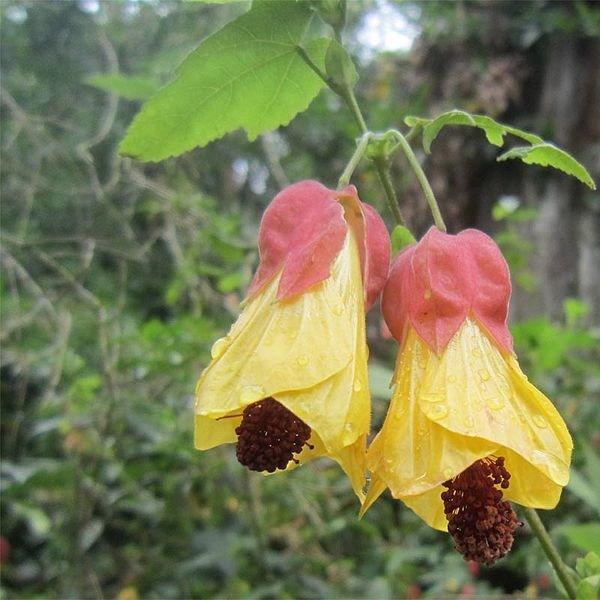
(117, 276)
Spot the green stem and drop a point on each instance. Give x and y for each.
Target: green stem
(423, 181)
(383, 170)
(381, 164)
(361, 148)
(551, 552)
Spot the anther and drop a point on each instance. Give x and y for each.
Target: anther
(479, 521)
(269, 436)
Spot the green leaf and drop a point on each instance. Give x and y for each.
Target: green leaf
(587, 589)
(339, 65)
(589, 565)
(401, 237)
(548, 155)
(248, 74)
(493, 130)
(129, 87)
(586, 536)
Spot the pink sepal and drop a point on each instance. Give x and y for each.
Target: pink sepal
(301, 232)
(377, 264)
(435, 284)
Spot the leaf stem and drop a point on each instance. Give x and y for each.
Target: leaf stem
(423, 181)
(551, 552)
(313, 66)
(361, 148)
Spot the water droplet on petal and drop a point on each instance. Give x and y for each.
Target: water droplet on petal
(540, 421)
(433, 397)
(448, 473)
(302, 360)
(483, 373)
(436, 411)
(293, 333)
(468, 422)
(219, 347)
(252, 393)
(357, 386)
(476, 352)
(495, 403)
(451, 378)
(389, 460)
(350, 427)
(338, 309)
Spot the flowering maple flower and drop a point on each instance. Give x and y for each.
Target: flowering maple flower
(466, 432)
(289, 381)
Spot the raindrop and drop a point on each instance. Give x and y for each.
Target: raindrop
(357, 386)
(451, 378)
(476, 352)
(433, 397)
(468, 422)
(540, 421)
(448, 473)
(437, 411)
(302, 360)
(338, 309)
(219, 347)
(495, 403)
(483, 373)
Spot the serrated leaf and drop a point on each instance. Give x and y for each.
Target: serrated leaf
(129, 87)
(493, 130)
(548, 155)
(248, 74)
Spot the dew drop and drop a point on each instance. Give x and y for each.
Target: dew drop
(350, 427)
(476, 352)
(302, 360)
(251, 393)
(389, 460)
(448, 473)
(219, 347)
(357, 386)
(468, 422)
(495, 403)
(437, 411)
(483, 373)
(433, 397)
(451, 378)
(540, 421)
(338, 309)
(293, 333)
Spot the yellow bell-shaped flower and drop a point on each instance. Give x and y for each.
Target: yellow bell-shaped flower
(289, 382)
(465, 427)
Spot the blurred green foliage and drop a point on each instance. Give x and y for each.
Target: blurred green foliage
(117, 278)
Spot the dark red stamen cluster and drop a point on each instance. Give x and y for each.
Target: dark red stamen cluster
(269, 436)
(479, 521)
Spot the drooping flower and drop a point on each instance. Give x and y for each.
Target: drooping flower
(289, 381)
(466, 432)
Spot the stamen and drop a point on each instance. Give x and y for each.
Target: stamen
(269, 436)
(479, 521)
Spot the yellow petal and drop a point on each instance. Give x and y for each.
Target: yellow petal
(430, 507)
(309, 354)
(412, 454)
(209, 433)
(476, 391)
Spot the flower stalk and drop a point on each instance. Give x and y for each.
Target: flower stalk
(551, 552)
